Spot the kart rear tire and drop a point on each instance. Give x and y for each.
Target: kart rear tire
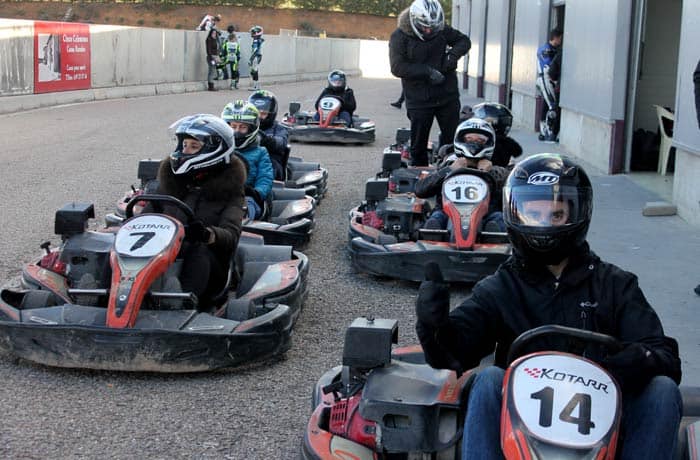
(240, 309)
(37, 298)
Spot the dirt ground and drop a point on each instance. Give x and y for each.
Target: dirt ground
(188, 17)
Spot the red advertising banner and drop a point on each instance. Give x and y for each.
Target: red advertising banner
(61, 56)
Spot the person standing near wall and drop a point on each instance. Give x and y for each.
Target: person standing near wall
(696, 81)
(212, 45)
(423, 52)
(209, 22)
(548, 74)
(256, 33)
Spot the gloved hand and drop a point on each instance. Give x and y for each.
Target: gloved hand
(632, 367)
(254, 194)
(433, 302)
(436, 78)
(449, 62)
(196, 231)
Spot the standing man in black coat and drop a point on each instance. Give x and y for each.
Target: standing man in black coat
(423, 52)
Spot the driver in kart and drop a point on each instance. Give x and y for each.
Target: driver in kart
(337, 87)
(554, 278)
(244, 118)
(474, 143)
(204, 173)
(273, 136)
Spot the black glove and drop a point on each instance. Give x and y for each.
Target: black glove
(196, 231)
(436, 78)
(433, 302)
(449, 62)
(254, 194)
(632, 367)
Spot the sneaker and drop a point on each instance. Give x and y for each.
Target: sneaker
(396, 104)
(432, 224)
(492, 227)
(171, 284)
(87, 281)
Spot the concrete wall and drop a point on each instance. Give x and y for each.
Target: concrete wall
(16, 57)
(477, 26)
(531, 24)
(130, 61)
(686, 134)
(496, 48)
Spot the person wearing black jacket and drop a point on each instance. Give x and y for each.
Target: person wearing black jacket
(423, 52)
(337, 87)
(213, 58)
(501, 119)
(554, 278)
(696, 81)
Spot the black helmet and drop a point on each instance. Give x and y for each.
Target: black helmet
(336, 80)
(265, 101)
(547, 207)
(215, 135)
(243, 112)
(498, 115)
(427, 18)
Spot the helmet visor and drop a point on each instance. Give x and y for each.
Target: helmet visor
(547, 205)
(336, 81)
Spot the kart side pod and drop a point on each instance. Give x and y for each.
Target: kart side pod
(73, 218)
(368, 342)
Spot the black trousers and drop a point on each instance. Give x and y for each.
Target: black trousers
(202, 272)
(447, 116)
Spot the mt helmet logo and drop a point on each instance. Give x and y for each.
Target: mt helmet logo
(543, 178)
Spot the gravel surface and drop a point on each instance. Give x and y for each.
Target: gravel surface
(89, 153)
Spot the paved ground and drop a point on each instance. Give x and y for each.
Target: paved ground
(89, 152)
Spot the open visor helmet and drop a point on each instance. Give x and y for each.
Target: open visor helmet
(256, 31)
(547, 208)
(475, 149)
(498, 115)
(243, 112)
(265, 101)
(427, 18)
(215, 135)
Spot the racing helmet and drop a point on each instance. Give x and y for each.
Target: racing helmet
(475, 149)
(243, 112)
(211, 131)
(336, 80)
(427, 18)
(265, 101)
(256, 31)
(498, 115)
(547, 208)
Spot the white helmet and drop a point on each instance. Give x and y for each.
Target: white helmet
(427, 18)
(472, 148)
(215, 135)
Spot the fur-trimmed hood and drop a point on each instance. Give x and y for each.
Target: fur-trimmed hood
(404, 23)
(219, 185)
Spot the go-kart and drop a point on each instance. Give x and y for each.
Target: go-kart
(387, 237)
(287, 217)
(106, 299)
(308, 176)
(328, 127)
(392, 405)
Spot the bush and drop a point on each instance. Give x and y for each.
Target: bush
(140, 22)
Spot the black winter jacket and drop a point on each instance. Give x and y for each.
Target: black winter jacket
(696, 81)
(216, 198)
(505, 148)
(347, 95)
(411, 60)
(590, 294)
(431, 186)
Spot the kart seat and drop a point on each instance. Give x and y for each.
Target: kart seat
(252, 261)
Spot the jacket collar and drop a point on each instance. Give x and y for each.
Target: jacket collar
(579, 268)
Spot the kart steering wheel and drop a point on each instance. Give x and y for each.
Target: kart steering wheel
(581, 335)
(158, 201)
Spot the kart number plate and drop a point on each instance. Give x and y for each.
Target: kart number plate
(145, 236)
(328, 103)
(563, 399)
(465, 189)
